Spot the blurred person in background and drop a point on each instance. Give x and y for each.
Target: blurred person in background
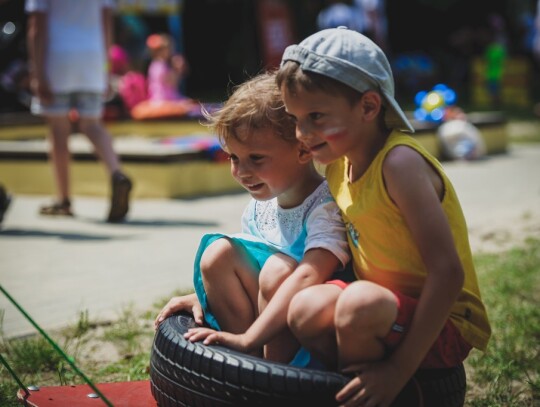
(340, 13)
(375, 21)
(536, 48)
(166, 71)
(67, 44)
(536, 41)
(495, 56)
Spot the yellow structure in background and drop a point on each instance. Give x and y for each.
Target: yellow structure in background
(515, 86)
(174, 180)
(148, 6)
(169, 178)
(149, 129)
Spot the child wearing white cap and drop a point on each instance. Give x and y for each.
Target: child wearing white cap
(416, 303)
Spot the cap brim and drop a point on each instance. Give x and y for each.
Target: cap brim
(395, 118)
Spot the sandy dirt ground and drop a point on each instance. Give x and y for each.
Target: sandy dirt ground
(57, 268)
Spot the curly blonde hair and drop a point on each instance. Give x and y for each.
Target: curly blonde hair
(254, 105)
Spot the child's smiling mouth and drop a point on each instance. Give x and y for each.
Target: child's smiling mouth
(253, 187)
(318, 147)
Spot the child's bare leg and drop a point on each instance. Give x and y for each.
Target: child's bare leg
(276, 269)
(311, 320)
(231, 285)
(365, 313)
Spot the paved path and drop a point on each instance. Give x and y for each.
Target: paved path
(56, 268)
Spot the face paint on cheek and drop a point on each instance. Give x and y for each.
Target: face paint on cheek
(334, 133)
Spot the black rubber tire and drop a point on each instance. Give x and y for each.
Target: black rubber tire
(192, 374)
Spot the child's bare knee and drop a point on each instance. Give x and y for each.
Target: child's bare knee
(214, 256)
(275, 271)
(310, 311)
(365, 305)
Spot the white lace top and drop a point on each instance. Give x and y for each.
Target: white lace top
(316, 223)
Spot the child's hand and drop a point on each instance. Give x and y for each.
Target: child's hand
(188, 303)
(375, 384)
(212, 337)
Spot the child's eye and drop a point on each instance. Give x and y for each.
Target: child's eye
(233, 158)
(315, 116)
(256, 158)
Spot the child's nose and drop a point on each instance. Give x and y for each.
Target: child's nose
(302, 131)
(242, 170)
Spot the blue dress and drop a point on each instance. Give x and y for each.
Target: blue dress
(268, 229)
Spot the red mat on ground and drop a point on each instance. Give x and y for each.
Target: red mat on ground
(121, 394)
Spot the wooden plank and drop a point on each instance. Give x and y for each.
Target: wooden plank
(120, 394)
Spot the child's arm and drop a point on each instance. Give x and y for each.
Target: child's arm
(417, 190)
(316, 267)
(174, 75)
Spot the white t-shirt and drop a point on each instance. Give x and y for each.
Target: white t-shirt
(316, 223)
(75, 55)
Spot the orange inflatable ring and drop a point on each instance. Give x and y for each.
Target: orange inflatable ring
(150, 109)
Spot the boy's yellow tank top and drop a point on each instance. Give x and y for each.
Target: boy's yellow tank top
(382, 247)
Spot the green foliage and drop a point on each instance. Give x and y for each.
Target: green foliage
(128, 369)
(34, 360)
(508, 373)
(8, 390)
(126, 333)
(32, 354)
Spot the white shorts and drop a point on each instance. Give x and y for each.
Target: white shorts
(87, 104)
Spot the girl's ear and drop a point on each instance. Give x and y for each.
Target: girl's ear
(371, 104)
(304, 154)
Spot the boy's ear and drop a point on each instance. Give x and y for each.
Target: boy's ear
(304, 154)
(371, 104)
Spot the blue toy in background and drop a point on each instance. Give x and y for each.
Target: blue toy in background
(432, 105)
(458, 137)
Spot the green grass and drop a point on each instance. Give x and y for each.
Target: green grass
(508, 374)
(104, 352)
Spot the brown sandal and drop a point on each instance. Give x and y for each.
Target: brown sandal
(121, 187)
(57, 209)
(5, 201)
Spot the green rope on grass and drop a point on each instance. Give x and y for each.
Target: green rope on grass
(57, 348)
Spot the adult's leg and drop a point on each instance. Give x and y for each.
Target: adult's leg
(120, 183)
(98, 135)
(364, 315)
(311, 320)
(277, 269)
(5, 201)
(59, 130)
(231, 284)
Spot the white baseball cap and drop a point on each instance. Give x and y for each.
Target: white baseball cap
(353, 59)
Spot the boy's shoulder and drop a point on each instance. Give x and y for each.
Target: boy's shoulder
(400, 143)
